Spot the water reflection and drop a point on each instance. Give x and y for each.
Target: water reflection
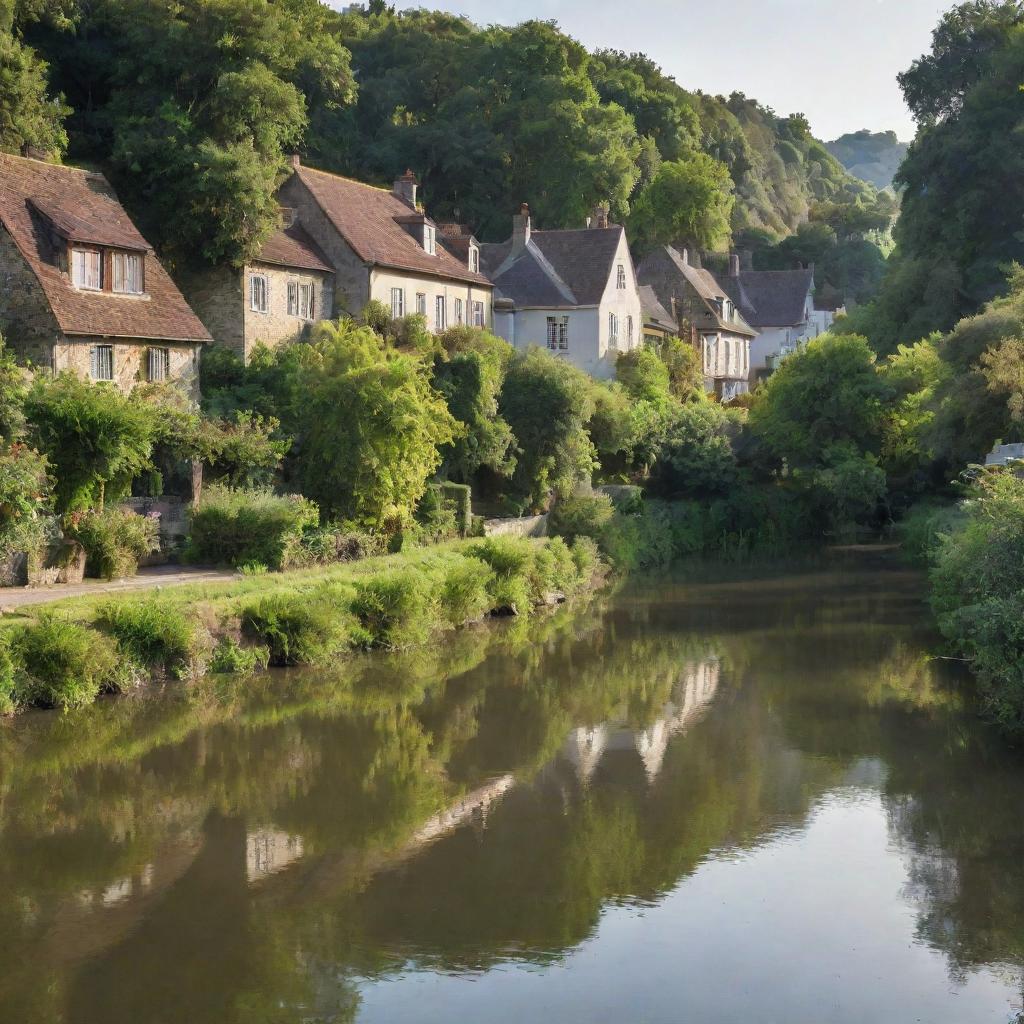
(581, 802)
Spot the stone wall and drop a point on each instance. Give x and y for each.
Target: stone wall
(528, 526)
(215, 294)
(131, 361)
(26, 320)
(277, 325)
(351, 274)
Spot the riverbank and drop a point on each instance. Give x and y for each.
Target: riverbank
(68, 653)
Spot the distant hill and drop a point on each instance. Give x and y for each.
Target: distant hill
(871, 156)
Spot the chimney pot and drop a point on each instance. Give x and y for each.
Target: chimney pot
(599, 218)
(685, 253)
(734, 264)
(296, 160)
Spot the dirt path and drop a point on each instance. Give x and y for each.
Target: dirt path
(147, 579)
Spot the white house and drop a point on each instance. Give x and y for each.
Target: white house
(573, 292)
(699, 301)
(780, 305)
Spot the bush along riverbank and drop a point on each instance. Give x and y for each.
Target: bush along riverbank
(71, 653)
(975, 557)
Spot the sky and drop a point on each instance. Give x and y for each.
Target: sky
(834, 60)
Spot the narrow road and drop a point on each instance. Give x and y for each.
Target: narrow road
(147, 579)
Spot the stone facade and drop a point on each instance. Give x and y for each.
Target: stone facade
(222, 300)
(26, 319)
(131, 360)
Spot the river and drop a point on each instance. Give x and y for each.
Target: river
(721, 801)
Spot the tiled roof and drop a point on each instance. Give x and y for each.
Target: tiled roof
(556, 268)
(771, 298)
(365, 215)
(82, 206)
(654, 311)
(292, 247)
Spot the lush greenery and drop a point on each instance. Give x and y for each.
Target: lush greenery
(67, 656)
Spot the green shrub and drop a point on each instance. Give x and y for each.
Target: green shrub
(552, 570)
(395, 608)
(63, 664)
(155, 634)
(115, 540)
(585, 557)
(8, 704)
(234, 526)
(230, 657)
(331, 544)
(507, 556)
(510, 594)
(581, 517)
(436, 516)
(921, 529)
(297, 629)
(465, 595)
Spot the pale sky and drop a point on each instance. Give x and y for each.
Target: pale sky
(834, 60)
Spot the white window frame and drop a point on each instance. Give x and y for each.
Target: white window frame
(458, 311)
(259, 283)
(158, 364)
(307, 301)
(474, 259)
(126, 273)
(101, 356)
(440, 313)
(613, 330)
(397, 303)
(82, 275)
(421, 303)
(558, 333)
(429, 239)
(620, 279)
(293, 298)
(478, 314)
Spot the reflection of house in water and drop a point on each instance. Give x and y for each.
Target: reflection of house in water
(585, 746)
(268, 851)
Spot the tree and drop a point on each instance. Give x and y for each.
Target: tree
(685, 378)
(688, 199)
(548, 402)
(96, 439)
(29, 114)
(827, 393)
(468, 373)
(695, 459)
(370, 427)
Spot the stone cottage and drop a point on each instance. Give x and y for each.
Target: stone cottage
(81, 289)
(573, 292)
(699, 300)
(272, 298)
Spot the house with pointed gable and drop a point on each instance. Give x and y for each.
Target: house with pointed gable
(81, 289)
(780, 305)
(343, 243)
(573, 291)
(700, 301)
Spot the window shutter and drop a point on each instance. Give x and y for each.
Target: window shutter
(94, 364)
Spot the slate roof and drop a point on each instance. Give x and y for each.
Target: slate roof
(292, 247)
(771, 298)
(654, 312)
(37, 198)
(708, 288)
(557, 268)
(364, 216)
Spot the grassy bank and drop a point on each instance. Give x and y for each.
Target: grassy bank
(69, 653)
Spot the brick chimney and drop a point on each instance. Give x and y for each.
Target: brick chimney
(685, 254)
(521, 228)
(405, 188)
(599, 218)
(295, 160)
(734, 264)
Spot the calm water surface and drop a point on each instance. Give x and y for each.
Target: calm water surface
(718, 802)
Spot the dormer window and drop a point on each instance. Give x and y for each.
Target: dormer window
(127, 273)
(87, 269)
(474, 259)
(428, 239)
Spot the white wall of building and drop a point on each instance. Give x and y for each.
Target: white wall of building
(382, 281)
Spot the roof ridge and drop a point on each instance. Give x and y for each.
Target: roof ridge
(556, 278)
(344, 177)
(56, 167)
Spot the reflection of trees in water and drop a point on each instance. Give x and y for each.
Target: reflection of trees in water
(287, 829)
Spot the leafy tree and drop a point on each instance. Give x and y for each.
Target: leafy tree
(468, 373)
(370, 425)
(29, 113)
(827, 393)
(548, 402)
(643, 376)
(685, 377)
(688, 200)
(695, 459)
(96, 439)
